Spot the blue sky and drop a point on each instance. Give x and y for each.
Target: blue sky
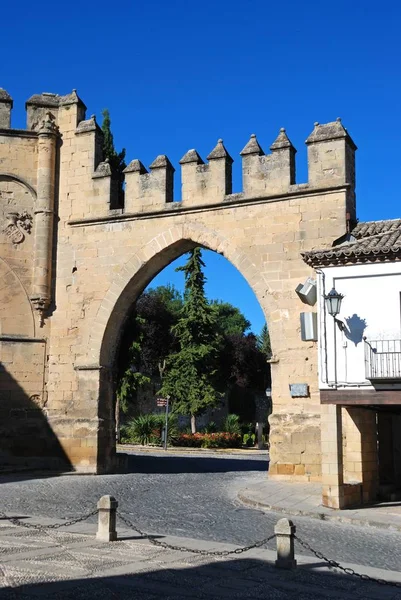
(177, 75)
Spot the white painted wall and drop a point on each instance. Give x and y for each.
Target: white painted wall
(371, 307)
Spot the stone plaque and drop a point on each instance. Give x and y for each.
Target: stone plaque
(299, 390)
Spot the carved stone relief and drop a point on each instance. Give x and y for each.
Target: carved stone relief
(16, 225)
(16, 210)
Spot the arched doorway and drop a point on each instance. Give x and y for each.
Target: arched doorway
(116, 306)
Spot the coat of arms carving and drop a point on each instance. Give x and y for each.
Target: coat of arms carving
(16, 226)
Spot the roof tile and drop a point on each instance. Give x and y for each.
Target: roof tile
(370, 241)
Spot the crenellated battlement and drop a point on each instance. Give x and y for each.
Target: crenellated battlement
(331, 163)
(148, 191)
(204, 183)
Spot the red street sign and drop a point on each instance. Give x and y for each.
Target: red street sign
(161, 401)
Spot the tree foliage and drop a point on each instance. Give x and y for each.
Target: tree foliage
(229, 318)
(203, 345)
(263, 342)
(116, 159)
(191, 378)
(147, 341)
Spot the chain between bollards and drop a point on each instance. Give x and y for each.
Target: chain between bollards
(284, 532)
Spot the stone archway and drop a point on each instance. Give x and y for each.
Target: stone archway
(144, 265)
(97, 374)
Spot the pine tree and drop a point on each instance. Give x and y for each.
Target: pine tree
(116, 159)
(191, 378)
(264, 344)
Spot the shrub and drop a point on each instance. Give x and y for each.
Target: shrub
(172, 432)
(210, 440)
(211, 428)
(248, 428)
(140, 430)
(249, 439)
(232, 424)
(147, 429)
(190, 440)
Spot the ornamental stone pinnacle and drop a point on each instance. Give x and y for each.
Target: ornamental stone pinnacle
(252, 147)
(191, 156)
(282, 141)
(219, 151)
(135, 166)
(161, 162)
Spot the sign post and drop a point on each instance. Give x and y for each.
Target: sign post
(166, 426)
(164, 402)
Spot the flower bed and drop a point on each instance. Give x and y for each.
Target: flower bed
(209, 440)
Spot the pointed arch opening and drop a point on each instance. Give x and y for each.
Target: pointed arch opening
(122, 295)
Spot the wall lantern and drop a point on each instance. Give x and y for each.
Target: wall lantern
(333, 302)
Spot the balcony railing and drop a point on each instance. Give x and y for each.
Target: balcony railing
(383, 360)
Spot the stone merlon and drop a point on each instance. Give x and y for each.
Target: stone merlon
(6, 104)
(329, 131)
(89, 125)
(5, 97)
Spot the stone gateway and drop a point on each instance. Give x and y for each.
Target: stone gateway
(73, 262)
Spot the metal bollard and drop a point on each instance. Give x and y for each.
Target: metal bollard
(285, 531)
(106, 530)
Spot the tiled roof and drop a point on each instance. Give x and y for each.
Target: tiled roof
(367, 242)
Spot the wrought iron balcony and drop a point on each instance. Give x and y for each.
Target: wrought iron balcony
(383, 360)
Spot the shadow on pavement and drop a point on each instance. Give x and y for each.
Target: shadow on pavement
(241, 579)
(135, 463)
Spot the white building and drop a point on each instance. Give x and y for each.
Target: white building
(360, 364)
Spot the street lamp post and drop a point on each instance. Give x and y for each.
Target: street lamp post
(333, 302)
(333, 306)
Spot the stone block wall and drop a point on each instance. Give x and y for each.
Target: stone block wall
(84, 283)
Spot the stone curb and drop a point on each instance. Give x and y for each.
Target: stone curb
(320, 515)
(201, 451)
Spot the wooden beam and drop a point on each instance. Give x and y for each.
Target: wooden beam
(360, 397)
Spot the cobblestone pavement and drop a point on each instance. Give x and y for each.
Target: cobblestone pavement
(194, 497)
(73, 566)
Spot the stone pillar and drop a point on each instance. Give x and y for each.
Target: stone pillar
(285, 531)
(332, 456)
(107, 507)
(44, 215)
(360, 455)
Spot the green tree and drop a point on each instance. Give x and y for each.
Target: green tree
(263, 342)
(170, 297)
(229, 318)
(116, 159)
(191, 377)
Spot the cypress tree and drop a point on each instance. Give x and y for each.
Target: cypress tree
(191, 378)
(116, 159)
